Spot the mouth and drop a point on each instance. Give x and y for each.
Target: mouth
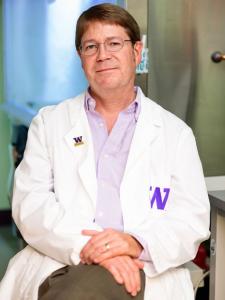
(105, 70)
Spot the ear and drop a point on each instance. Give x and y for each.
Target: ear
(79, 54)
(138, 46)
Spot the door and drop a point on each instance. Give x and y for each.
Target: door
(182, 36)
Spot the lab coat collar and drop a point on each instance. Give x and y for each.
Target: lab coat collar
(147, 130)
(83, 151)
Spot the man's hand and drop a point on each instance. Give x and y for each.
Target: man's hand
(125, 270)
(107, 244)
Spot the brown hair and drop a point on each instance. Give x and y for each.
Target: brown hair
(110, 14)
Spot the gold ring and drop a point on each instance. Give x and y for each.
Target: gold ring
(107, 247)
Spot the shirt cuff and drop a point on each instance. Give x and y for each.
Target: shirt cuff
(145, 255)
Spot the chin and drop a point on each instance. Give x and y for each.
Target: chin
(109, 86)
(109, 83)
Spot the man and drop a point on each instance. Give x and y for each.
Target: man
(110, 195)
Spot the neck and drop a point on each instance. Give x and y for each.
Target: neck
(112, 102)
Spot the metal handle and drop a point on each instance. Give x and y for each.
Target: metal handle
(217, 57)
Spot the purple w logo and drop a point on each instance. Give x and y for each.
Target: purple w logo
(78, 140)
(157, 197)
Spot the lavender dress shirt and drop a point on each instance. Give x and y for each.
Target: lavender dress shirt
(111, 153)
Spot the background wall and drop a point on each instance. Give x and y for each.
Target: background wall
(40, 64)
(139, 12)
(183, 79)
(4, 131)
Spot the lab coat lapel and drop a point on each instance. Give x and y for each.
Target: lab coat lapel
(147, 130)
(80, 143)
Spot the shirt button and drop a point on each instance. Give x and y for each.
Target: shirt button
(106, 155)
(100, 214)
(101, 124)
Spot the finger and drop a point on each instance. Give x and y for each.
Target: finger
(106, 235)
(126, 274)
(92, 247)
(85, 254)
(127, 244)
(134, 276)
(97, 241)
(88, 256)
(102, 238)
(115, 249)
(92, 250)
(95, 249)
(116, 274)
(117, 241)
(89, 245)
(119, 246)
(137, 280)
(139, 263)
(90, 232)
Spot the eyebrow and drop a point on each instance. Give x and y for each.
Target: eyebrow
(93, 40)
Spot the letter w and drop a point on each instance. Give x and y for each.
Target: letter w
(78, 139)
(157, 197)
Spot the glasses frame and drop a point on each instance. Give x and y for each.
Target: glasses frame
(105, 46)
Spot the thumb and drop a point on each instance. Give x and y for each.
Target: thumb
(139, 263)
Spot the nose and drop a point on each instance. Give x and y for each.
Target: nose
(102, 53)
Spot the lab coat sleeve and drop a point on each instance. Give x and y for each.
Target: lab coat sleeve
(173, 238)
(43, 220)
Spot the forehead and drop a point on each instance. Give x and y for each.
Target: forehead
(101, 31)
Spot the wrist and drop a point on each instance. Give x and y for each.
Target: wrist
(138, 248)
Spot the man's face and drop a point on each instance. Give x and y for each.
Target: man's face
(110, 70)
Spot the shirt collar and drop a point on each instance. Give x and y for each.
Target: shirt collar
(134, 107)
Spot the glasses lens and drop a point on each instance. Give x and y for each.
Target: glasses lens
(89, 48)
(114, 44)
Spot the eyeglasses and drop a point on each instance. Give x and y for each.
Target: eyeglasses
(111, 44)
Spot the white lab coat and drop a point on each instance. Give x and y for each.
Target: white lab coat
(55, 198)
